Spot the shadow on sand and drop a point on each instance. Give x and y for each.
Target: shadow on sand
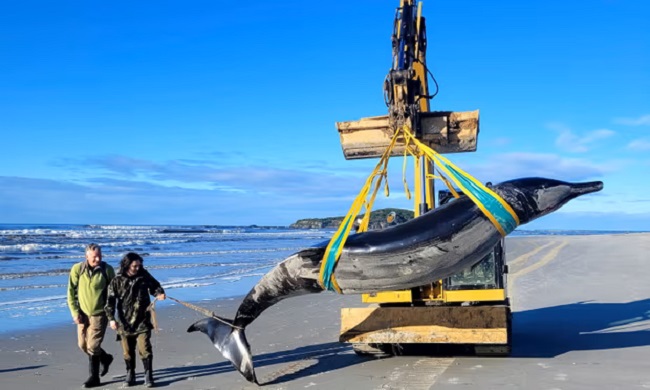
(307, 361)
(581, 326)
(545, 332)
(2, 371)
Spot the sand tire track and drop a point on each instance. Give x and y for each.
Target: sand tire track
(530, 254)
(420, 376)
(550, 256)
(288, 370)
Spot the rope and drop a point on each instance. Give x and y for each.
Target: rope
(152, 310)
(205, 312)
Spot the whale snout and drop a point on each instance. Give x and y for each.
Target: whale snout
(578, 189)
(534, 197)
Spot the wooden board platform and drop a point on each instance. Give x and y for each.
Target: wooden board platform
(443, 131)
(432, 324)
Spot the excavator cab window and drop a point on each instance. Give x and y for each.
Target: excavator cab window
(487, 274)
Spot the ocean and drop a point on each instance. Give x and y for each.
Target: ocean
(193, 263)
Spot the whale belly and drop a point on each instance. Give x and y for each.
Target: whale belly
(415, 263)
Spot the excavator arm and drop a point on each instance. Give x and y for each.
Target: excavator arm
(405, 86)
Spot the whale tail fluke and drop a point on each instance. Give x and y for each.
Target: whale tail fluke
(231, 342)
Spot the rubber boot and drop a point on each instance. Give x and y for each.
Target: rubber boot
(93, 368)
(105, 361)
(129, 379)
(148, 372)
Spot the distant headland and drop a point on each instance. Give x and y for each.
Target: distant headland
(378, 220)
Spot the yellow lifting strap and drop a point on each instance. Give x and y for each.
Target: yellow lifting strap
(333, 251)
(491, 204)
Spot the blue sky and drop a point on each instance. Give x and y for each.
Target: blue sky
(223, 112)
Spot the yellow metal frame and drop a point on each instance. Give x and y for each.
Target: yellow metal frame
(398, 296)
(447, 296)
(492, 295)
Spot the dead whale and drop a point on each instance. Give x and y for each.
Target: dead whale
(433, 246)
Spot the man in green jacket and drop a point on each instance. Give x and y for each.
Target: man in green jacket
(87, 289)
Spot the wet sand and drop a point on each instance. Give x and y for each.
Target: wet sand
(581, 321)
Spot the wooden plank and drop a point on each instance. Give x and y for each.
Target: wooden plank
(443, 131)
(431, 334)
(436, 324)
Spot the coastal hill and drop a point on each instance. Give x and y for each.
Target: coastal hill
(378, 220)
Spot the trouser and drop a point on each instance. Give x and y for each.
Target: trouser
(143, 342)
(91, 334)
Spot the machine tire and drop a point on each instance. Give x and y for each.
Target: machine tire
(374, 350)
(495, 350)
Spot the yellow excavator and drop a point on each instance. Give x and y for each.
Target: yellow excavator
(470, 309)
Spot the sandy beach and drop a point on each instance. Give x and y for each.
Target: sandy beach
(581, 321)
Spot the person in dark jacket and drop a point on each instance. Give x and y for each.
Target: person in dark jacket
(129, 294)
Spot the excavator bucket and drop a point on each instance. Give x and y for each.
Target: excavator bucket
(443, 131)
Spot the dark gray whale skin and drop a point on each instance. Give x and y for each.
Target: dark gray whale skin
(433, 246)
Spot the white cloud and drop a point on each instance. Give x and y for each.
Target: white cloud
(24, 200)
(639, 145)
(575, 143)
(515, 165)
(207, 174)
(612, 200)
(501, 141)
(643, 120)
